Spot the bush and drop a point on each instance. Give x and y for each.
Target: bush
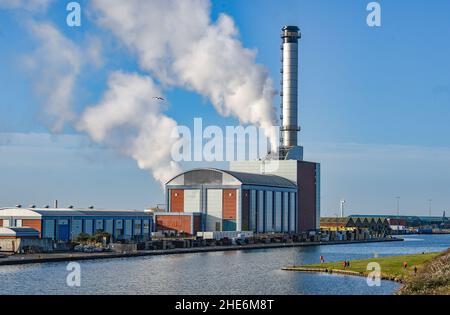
(82, 237)
(99, 235)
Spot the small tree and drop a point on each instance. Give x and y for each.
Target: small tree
(82, 237)
(99, 235)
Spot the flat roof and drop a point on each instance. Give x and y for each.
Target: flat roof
(70, 212)
(18, 231)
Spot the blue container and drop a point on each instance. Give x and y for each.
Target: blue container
(229, 225)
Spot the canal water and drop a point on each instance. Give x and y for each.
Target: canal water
(234, 272)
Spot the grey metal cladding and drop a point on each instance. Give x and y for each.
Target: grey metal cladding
(203, 177)
(262, 180)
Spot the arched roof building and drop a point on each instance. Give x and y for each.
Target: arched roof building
(229, 201)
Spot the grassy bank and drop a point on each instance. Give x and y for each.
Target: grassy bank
(391, 267)
(432, 278)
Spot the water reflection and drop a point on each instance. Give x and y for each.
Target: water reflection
(234, 272)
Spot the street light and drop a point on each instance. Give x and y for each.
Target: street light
(342, 203)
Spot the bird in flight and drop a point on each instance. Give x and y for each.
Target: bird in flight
(159, 98)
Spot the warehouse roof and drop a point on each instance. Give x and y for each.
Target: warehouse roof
(335, 220)
(18, 232)
(402, 217)
(215, 176)
(38, 212)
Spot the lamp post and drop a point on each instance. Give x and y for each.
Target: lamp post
(342, 204)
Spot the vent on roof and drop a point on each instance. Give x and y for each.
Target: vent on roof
(18, 206)
(70, 207)
(32, 206)
(91, 207)
(47, 207)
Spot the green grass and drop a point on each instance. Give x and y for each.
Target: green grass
(391, 266)
(432, 279)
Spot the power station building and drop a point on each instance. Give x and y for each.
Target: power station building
(280, 193)
(305, 176)
(220, 200)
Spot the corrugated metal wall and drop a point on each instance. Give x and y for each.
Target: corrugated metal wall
(191, 200)
(109, 226)
(292, 216)
(252, 211)
(260, 211)
(269, 212)
(77, 228)
(48, 229)
(88, 227)
(214, 209)
(285, 212)
(278, 211)
(245, 213)
(128, 228)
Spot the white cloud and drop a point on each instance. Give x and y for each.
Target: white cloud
(54, 65)
(177, 42)
(129, 119)
(29, 5)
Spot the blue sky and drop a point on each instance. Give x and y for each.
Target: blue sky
(374, 105)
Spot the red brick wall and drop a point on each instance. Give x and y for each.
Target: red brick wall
(174, 222)
(229, 204)
(176, 200)
(306, 174)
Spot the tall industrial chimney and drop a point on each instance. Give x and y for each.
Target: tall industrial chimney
(289, 148)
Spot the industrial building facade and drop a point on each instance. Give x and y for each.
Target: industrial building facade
(305, 176)
(66, 224)
(233, 201)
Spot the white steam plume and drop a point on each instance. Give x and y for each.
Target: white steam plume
(177, 42)
(55, 66)
(129, 119)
